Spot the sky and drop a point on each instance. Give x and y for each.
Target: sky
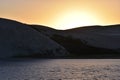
(62, 14)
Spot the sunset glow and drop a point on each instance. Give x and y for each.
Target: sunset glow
(62, 14)
(73, 19)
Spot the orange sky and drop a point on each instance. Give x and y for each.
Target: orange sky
(60, 14)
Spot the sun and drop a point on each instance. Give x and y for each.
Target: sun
(76, 19)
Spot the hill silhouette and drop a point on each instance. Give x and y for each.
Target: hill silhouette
(18, 39)
(89, 41)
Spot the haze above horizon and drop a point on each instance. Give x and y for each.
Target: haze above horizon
(62, 14)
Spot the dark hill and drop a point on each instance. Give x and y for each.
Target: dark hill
(36, 40)
(18, 39)
(90, 41)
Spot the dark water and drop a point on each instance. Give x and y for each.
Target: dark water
(60, 69)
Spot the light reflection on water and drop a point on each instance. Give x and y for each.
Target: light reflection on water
(60, 69)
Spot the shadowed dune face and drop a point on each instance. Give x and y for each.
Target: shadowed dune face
(89, 42)
(20, 39)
